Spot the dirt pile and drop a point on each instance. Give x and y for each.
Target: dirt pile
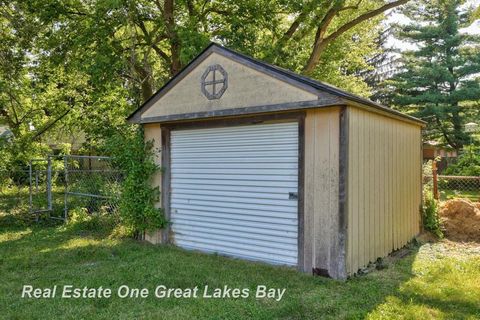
(461, 220)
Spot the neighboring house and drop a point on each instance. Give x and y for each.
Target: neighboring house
(54, 141)
(443, 154)
(433, 149)
(264, 164)
(75, 139)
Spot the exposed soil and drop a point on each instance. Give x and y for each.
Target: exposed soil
(426, 237)
(461, 220)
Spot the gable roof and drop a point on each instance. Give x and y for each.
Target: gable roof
(288, 76)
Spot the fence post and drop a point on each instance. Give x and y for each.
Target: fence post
(36, 181)
(65, 168)
(49, 183)
(30, 187)
(435, 180)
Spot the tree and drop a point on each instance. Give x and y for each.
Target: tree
(44, 87)
(383, 64)
(85, 65)
(323, 37)
(439, 81)
(155, 39)
(475, 14)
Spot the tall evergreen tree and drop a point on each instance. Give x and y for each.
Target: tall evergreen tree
(383, 64)
(439, 81)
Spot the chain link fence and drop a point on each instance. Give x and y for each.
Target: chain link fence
(40, 186)
(14, 190)
(459, 187)
(91, 182)
(447, 187)
(54, 186)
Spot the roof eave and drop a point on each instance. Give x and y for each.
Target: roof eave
(384, 110)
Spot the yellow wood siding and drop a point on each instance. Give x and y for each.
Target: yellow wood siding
(384, 186)
(246, 88)
(321, 189)
(153, 133)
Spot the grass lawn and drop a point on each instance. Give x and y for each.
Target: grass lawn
(439, 281)
(448, 194)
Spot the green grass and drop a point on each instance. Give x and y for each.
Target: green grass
(437, 281)
(448, 194)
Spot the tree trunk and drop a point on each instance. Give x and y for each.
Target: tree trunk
(175, 46)
(457, 128)
(145, 80)
(176, 64)
(445, 134)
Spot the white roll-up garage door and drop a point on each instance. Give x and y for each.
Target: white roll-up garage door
(234, 191)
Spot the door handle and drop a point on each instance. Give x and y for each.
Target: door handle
(292, 196)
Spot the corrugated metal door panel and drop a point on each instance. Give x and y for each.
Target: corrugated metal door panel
(230, 191)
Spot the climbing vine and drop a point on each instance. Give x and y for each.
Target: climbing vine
(135, 158)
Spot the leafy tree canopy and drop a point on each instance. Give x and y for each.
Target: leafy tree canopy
(84, 65)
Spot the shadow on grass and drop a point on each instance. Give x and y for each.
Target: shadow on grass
(48, 256)
(45, 256)
(11, 198)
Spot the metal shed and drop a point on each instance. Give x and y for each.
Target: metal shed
(264, 164)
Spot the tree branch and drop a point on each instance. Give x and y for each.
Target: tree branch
(325, 23)
(362, 18)
(161, 53)
(351, 7)
(145, 76)
(215, 10)
(293, 27)
(49, 125)
(295, 24)
(75, 13)
(12, 100)
(292, 30)
(159, 7)
(28, 114)
(168, 15)
(319, 44)
(191, 8)
(321, 41)
(153, 43)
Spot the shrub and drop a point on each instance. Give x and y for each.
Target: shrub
(135, 158)
(430, 217)
(467, 164)
(102, 222)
